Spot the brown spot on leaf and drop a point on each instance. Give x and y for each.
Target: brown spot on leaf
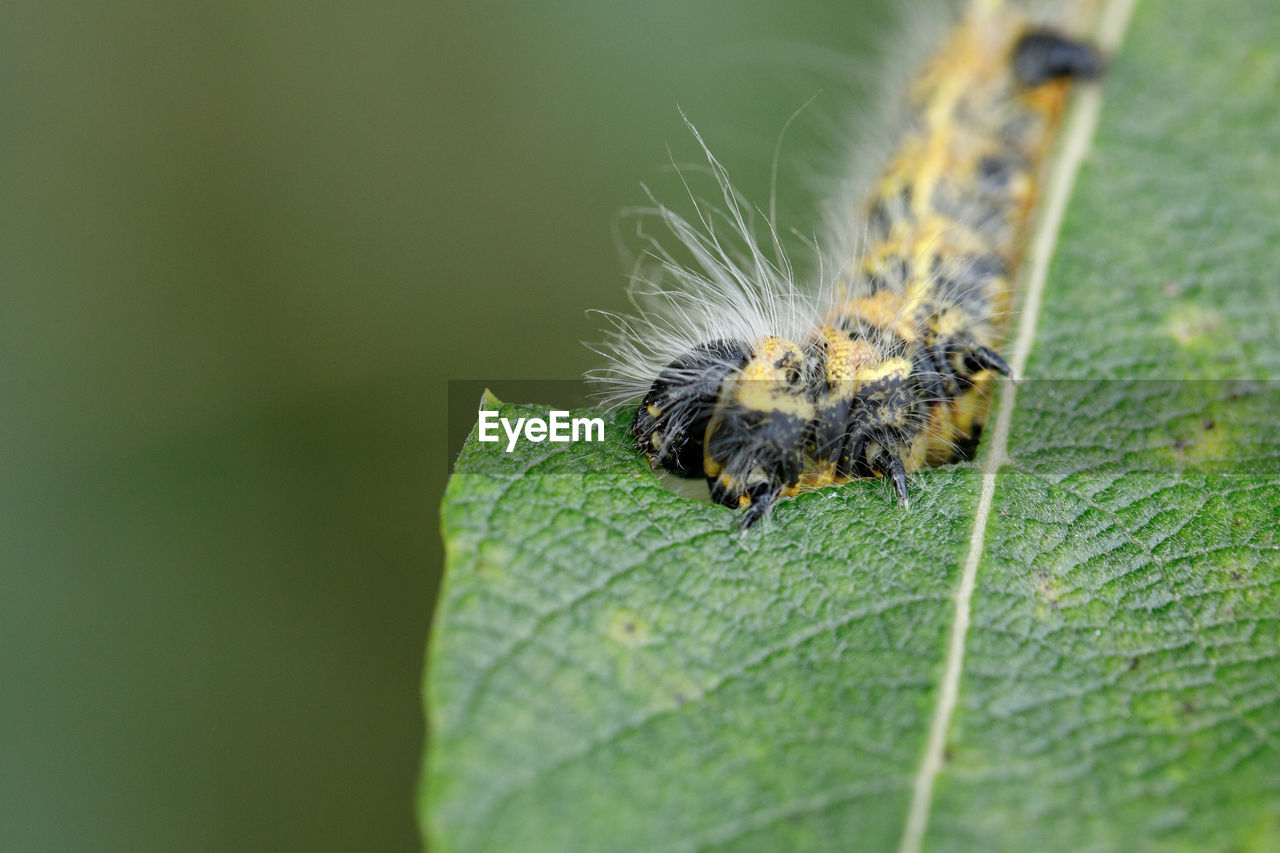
(628, 629)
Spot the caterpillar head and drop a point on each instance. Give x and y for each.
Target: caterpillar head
(738, 415)
(671, 424)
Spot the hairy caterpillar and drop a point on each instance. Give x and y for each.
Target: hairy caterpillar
(767, 388)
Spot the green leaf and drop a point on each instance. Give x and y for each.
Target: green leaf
(1072, 643)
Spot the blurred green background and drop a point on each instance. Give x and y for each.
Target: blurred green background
(245, 245)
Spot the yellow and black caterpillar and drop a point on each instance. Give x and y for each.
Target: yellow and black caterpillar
(890, 367)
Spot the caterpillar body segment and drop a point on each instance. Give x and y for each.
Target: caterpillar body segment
(892, 370)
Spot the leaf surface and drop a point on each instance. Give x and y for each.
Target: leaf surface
(617, 667)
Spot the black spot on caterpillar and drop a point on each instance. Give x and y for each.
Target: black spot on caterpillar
(766, 389)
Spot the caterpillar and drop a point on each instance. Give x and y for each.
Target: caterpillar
(767, 388)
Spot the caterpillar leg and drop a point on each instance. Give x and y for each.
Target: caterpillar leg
(881, 460)
(1043, 55)
(985, 358)
(763, 497)
(897, 474)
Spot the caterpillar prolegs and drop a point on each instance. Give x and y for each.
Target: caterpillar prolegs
(888, 368)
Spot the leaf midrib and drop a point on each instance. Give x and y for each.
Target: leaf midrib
(1077, 136)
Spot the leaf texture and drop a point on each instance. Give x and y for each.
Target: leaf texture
(617, 667)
